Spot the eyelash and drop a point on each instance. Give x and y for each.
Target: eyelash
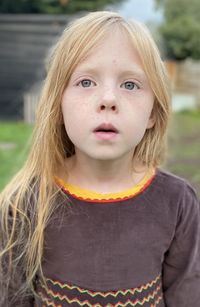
(133, 83)
(80, 83)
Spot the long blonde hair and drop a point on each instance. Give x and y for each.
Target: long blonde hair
(27, 202)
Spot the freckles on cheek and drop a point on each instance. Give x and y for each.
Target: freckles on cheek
(75, 114)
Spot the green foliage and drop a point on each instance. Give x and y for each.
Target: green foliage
(181, 28)
(184, 150)
(53, 6)
(19, 6)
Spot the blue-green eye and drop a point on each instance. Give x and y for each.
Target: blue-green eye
(129, 85)
(86, 83)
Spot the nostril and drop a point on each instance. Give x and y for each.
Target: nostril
(103, 107)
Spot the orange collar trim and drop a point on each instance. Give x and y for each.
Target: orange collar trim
(93, 196)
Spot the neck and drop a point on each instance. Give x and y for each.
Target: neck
(101, 175)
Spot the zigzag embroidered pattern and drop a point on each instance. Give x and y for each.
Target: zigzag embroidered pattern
(157, 301)
(107, 293)
(118, 304)
(49, 303)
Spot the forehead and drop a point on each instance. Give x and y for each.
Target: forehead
(115, 47)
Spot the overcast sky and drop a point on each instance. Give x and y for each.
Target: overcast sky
(142, 10)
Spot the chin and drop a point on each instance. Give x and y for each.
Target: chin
(105, 157)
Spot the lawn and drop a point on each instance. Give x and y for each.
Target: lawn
(184, 147)
(14, 138)
(183, 154)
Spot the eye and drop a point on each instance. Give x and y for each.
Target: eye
(86, 83)
(129, 85)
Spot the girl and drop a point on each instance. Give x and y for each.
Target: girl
(90, 220)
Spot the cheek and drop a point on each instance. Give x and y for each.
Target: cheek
(139, 112)
(78, 107)
(75, 105)
(75, 115)
(136, 131)
(137, 121)
(70, 116)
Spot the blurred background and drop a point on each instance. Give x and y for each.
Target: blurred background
(28, 28)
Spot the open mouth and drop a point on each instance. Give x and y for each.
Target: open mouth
(106, 131)
(106, 128)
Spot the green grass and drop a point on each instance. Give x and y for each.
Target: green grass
(184, 147)
(183, 155)
(17, 135)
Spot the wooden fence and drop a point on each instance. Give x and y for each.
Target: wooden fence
(25, 40)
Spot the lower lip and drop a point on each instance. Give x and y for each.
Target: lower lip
(105, 135)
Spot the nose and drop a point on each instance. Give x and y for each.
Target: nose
(108, 101)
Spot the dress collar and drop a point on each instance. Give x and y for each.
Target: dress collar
(89, 195)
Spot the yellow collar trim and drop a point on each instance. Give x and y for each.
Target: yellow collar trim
(85, 194)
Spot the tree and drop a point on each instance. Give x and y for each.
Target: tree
(52, 6)
(181, 28)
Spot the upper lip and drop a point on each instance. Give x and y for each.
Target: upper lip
(106, 127)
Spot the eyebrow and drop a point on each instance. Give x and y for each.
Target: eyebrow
(134, 72)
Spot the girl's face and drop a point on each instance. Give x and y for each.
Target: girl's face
(108, 101)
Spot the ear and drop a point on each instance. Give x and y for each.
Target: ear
(151, 121)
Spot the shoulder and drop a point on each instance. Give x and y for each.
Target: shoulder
(175, 189)
(172, 182)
